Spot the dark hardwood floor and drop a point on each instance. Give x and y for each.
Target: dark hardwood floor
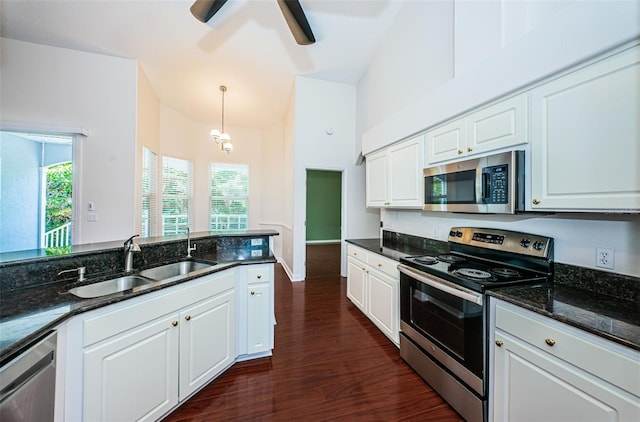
(323, 261)
(329, 363)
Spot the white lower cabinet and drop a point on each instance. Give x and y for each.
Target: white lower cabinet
(256, 307)
(133, 376)
(373, 282)
(356, 282)
(142, 357)
(207, 341)
(543, 370)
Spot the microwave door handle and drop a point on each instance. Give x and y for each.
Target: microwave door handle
(453, 290)
(486, 186)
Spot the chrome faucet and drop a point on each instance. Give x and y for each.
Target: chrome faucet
(129, 248)
(79, 270)
(189, 248)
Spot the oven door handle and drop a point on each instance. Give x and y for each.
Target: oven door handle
(441, 285)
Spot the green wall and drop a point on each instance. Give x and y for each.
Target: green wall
(324, 204)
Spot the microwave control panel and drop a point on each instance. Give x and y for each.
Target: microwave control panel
(496, 189)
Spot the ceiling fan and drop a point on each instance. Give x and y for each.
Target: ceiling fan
(203, 10)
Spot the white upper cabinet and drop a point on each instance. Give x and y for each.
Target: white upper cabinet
(586, 138)
(500, 125)
(376, 183)
(394, 175)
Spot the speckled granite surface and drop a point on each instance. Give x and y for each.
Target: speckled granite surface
(613, 318)
(602, 303)
(31, 304)
(396, 245)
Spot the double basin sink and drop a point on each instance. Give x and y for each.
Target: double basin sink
(144, 279)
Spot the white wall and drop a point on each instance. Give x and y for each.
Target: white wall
(272, 183)
(415, 57)
(50, 86)
(563, 37)
(147, 132)
(181, 137)
(321, 106)
(535, 41)
(289, 126)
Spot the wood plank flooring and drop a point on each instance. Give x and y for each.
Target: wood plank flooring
(329, 363)
(323, 260)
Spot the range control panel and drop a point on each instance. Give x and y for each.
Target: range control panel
(503, 240)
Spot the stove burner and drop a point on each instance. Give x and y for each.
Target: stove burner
(428, 260)
(451, 259)
(473, 273)
(505, 272)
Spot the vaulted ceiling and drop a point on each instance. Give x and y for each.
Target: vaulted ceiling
(246, 46)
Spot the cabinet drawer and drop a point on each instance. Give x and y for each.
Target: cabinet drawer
(258, 274)
(385, 265)
(615, 364)
(357, 253)
(121, 317)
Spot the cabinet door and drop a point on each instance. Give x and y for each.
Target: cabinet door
(383, 304)
(207, 341)
(498, 126)
(259, 318)
(531, 385)
(376, 181)
(356, 283)
(133, 376)
(447, 142)
(585, 131)
(405, 173)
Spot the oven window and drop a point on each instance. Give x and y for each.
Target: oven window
(454, 323)
(451, 188)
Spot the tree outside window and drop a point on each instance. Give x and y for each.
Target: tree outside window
(177, 192)
(229, 200)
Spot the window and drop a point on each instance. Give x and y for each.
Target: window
(177, 181)
(149, 193)
(229, 201)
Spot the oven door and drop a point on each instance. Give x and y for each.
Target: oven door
(446, 321)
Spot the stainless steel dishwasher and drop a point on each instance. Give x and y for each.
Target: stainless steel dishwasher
(28, 382)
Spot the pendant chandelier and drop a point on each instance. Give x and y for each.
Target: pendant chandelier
(221, 137)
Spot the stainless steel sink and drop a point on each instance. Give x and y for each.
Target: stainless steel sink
(108, 287)
(177, 269)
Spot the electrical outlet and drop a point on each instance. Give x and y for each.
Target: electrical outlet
(604, 258)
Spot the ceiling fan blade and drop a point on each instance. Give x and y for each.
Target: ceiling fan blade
(203, 10)
(297, 21)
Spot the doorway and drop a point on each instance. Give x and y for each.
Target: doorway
(323, 224)
(37, 179)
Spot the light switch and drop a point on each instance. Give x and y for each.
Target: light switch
(91, 206)
(92, 216)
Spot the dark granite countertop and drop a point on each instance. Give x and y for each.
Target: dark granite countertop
(29, 313)
(610, 317)
(89, 248)
(394, 251)
(615, 319)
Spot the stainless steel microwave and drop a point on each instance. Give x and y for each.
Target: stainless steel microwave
(493, 184)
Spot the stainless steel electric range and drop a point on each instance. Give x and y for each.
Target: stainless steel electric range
(443, 317)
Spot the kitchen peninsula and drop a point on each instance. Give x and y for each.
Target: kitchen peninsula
(182, 322)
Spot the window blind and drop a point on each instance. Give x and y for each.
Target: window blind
(177, 192)
(149, 193)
